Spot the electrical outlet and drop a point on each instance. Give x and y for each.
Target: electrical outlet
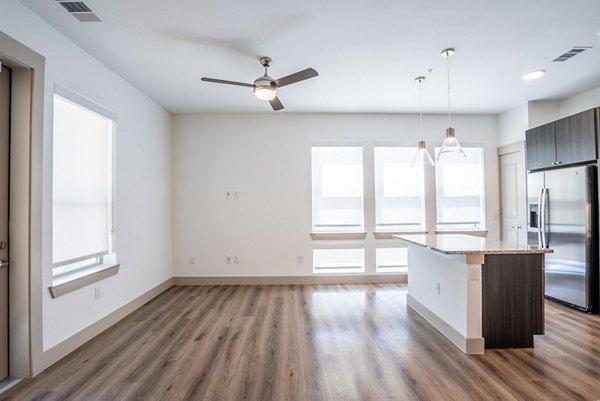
(438, 288)
(228, 259)
(236, 195)
(191, 260)
(236, 260)
(97, 292)
(228, 195)
(473, 274)
(300, 260)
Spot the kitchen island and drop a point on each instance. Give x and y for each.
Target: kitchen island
(479, 293)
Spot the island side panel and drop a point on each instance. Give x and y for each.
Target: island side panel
(513, 300)
(449, 310)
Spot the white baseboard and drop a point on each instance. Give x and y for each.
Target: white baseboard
(287, 280)
(475, 345)
(69, 345)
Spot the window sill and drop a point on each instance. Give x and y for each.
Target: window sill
(338, 235)
(69, 282)
(390, 234)
(476, 233)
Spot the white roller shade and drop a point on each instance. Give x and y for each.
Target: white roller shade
(81, 182)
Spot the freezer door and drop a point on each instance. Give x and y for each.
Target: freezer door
(535, 184)
(568, 203)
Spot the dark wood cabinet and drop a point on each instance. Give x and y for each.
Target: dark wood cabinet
(570, 140)
(541, 146)
(576, 138)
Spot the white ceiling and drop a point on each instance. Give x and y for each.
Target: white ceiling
(366, 52)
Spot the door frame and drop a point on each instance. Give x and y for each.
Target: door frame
(502, 151)
(26, 181)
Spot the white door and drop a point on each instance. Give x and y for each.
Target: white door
(4, 174)
(513, 196)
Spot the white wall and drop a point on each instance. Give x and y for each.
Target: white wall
(583, 101)
(512, 125)
(541, 112)
(267, 158)
(143, 178)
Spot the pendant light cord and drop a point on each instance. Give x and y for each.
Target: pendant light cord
(420, 109)
(448, 80)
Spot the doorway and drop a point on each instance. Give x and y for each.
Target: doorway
(513, 197)
(5, 96)
(24, 176)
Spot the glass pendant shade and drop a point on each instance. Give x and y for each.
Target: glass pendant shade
(451, 145)
(422, 157)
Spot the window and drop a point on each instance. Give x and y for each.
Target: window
(391, 260)
(460, 191)
(337, 188)
(82, 225)
(347, 260)
(399, 190)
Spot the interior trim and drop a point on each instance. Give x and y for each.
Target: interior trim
(390, 234)
(288, 280)
(511, 148)
(476, 233)
(70, 282)
(337, 236)
(473, 345)
(69, 345)
(27, 132)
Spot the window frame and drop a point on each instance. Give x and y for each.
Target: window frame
(325, 229)
(62, 273)
(480, 226)
(399, 227)
(340, 270)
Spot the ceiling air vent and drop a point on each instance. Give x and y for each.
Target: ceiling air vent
(571, 53)
(79, 10)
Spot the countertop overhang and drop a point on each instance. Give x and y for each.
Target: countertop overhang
(460, 244)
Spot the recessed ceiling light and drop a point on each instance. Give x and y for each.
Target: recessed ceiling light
(533, 75)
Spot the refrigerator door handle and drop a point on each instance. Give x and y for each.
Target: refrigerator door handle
(539, 219)
(543, 205)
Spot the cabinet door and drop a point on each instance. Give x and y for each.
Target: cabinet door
(541, 146)
(576, 138)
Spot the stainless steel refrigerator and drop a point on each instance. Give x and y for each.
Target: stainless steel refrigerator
(563, 216)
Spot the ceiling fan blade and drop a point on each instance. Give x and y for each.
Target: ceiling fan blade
(221, 81)
(297, 77)
(276, 103)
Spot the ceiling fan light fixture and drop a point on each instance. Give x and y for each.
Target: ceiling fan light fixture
(264, 89)
(265, 92)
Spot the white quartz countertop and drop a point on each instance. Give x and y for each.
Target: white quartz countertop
(460, 244)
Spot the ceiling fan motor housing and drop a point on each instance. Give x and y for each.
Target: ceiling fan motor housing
(265, 80)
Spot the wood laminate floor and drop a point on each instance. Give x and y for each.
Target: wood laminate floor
(311, 343)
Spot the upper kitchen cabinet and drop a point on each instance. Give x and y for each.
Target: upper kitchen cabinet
(541, 146)
(570, 140)
(576, 138)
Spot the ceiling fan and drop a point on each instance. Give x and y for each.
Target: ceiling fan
(265, 87)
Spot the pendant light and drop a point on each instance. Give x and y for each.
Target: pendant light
(450, 144)
(422, 157)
